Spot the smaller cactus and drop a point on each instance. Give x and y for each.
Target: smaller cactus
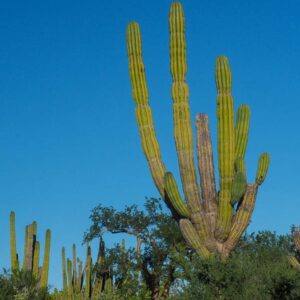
(31, 252)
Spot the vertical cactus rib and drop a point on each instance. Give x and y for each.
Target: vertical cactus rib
(262, 169)
(74, 265)
(241, 131)
(206, 170)
(192, 237)
(225, 116)
(70, 284)
(174, 195)
(88, 276)
(36, 260)
(182, 122)
(45, 268)
(143, 111)
(13, 245)
(64, 272)
(238, 187)
(242, 218)
(28, 260)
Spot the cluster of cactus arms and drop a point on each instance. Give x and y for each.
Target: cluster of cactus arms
(31, 252)
(294, 262)
(84, 281)
(211, 221)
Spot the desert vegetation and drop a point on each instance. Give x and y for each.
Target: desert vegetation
(190, 246)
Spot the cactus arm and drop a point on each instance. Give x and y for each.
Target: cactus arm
(64, 271)
(226, 151)
(238, 187)
(206, 169)
(182, 121)
(191, 236)
(262, 169)
(28, 260)
(174, 195)
(13, 244)
(293, 262)
(36, 259)
(80, 275)
(45, 268)
(241, 130)
(296, 239)
(143, 111)
(242, 218)
(74, 266)
(70, 284)
(25, 247)
(88, 277)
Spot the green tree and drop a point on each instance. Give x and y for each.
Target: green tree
(257, 269)
(158, 243)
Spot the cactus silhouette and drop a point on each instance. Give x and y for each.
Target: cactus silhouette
(211, 221)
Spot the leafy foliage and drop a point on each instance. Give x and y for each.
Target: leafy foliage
(257, 269)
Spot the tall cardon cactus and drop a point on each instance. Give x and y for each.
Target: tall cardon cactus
(211, 221)
(31, 252)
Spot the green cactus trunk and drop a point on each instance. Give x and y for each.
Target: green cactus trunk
(45, 268)
(13, 245)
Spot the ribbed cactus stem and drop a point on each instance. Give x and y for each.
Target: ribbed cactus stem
(80, 275)
(242, 130)
(36, 260)
(192, 237)
(262, 169)
(74, 264)
(182, 121)
(174, 195)
(143, 111)
(206, 170)
(64, 271)
(240, 166)
(225, 116)
(45, 268)
(294, 262)
(28, 261)
(70, 283)
(238, 187)
(242, 218)
(296, 238)
(13, 245)
(88, 276)
(25, 247)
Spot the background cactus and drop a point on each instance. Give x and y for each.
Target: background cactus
(88, 282)
(31, 252)
(209, 221)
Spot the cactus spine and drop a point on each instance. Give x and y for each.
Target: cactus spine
(209, 221)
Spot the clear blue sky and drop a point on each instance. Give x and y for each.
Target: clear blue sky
(68, 137)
